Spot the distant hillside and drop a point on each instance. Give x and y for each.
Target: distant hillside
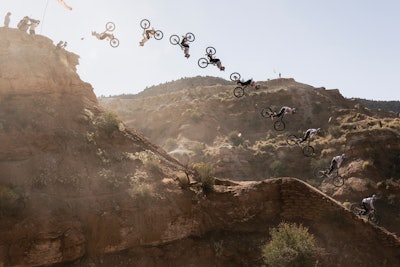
(209, 124)
(384, 105)
(178, 85)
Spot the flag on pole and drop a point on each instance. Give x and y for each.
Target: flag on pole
(65, 4)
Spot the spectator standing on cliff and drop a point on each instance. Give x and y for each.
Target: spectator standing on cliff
(23, 24)
(61, 45)
(33, 25)
(7, 20)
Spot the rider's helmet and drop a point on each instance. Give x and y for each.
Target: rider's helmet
(294, 110)
(318, 130)
(344, 155)
(374, 196)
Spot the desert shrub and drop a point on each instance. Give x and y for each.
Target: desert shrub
(205, 174)
(196, 117)
(153, 166)
(143, 190)
(236, 138)
(11, 202)
(335, 131)
(198, 149)
(170, 144)
(290, 245)
(327, 151)
(365, 165)
(109, 122)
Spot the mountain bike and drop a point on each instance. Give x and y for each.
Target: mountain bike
(145, 24)
(204, 62)
(176, 40)
(110, 27)
(239, 91)
(279, 124)
(307, 149)
(337, 180)
(372, 215)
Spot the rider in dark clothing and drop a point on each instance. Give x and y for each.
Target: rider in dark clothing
(248, 82)
(185, 46)
(215, 61)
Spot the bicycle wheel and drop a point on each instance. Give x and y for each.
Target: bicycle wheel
(373, 217)
(238, 92)
(159, 35)
(267, 112)
(308, 151)
(235, 76)
(203, 63)
(338, 181)
(174, 39)
(190, 37)
(110, 26)
(292, 139)
(211, 50)
(279, 126)
(145, 24)
(114, 42)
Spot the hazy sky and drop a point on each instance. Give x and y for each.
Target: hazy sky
(350, 45)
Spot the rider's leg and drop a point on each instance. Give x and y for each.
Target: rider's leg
(220, 66)
(186, 51)
(366, 209)
(143, 41)
(332, 167)
(305, 137)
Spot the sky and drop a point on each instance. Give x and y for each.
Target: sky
(350, 45)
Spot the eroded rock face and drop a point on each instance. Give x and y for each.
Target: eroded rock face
(32, 64)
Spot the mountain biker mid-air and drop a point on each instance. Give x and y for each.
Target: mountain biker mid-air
(216, 61)
(283, 111)
(147, 35)
(249, 82)
(368, 204)
(310, 133)
(185, 46)
(103, 35)
(336, 162)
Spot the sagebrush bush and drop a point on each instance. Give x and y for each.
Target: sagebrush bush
(170, 144)
(205, 174)
(11, 202)
(109, 122)
(235, 138)
(290, 245)
(335, 131)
